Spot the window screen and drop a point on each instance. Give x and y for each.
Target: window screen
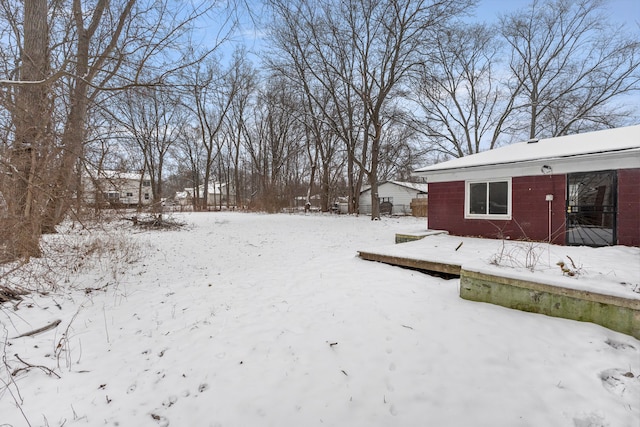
(488, 198)
(478, 198)
(498, 198)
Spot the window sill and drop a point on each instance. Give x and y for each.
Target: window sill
(489, 217)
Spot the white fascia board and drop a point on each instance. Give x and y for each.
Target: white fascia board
(623, 159)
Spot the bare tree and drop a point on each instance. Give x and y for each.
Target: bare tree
(464, 106)
(570, 65)
(190, 154)
(315, 103)
(399, 156)
(565, 68)
(154, 118)
(276, 147)
(240, 135)
(318, 65)
(325, 145)
(96, 47)
(29, 103)
(370, 47)
(213, 90)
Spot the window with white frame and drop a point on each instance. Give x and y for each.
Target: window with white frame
(489, 199)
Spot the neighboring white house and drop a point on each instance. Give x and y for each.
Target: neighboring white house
(216, 195)
(116, 188)
(395, 197)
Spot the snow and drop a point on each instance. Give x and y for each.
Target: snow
(589, 143)
(272, 320)
(413, 185)
(611, 271)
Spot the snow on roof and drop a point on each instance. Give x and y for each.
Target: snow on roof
(624, 140)
(113, 174)
(420, 187)
(214, 188)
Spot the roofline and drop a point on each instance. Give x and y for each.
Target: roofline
(593, 161)
(398, 183)
(403, 184)
(419, 172)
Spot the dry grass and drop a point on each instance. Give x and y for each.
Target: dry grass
(105, 247)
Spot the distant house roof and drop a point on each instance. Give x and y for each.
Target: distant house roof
(214, 188)
(116, 175)
(419, 187)
(617, 148)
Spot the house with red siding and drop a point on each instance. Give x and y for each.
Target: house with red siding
(581, 189)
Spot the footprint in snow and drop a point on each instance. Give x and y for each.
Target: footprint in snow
(618, 345)
(131, 388)
(162, 421)
(590, 420)
(170, 401)
(390, 386)
(617, 381)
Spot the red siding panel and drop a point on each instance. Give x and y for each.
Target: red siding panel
(629, 207)
(530, 210)
(446, 206)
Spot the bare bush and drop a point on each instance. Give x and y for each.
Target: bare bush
(8, 384)
(157, 221)
(103, 248)
(106, 248)
(521, 254)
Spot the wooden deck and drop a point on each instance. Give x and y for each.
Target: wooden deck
(422, 264)
(417, 264)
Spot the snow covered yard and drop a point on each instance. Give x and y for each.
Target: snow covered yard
(272, 320)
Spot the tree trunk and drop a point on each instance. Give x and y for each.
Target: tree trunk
(534, 116)
(72, 137)
(325, 187)
(373, 174)
(375, 199)
(31, 119)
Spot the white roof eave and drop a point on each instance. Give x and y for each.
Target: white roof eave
(574, 149)
(611, 160)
